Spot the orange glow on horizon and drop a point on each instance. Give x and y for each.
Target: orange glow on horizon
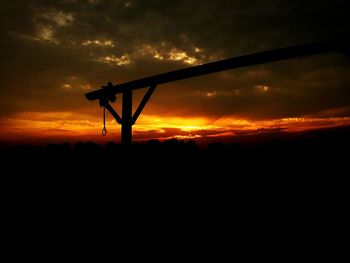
(66, 126)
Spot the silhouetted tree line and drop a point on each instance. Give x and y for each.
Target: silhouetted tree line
(306, 153)
(254, 177)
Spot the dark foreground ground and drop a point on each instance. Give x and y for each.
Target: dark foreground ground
(311, 156)
(285, 187)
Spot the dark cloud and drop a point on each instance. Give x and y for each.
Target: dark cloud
(52, 52)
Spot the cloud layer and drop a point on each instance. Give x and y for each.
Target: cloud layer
(52, 52)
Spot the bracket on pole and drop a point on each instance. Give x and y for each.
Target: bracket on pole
(128, 119)
(114, 113)
(143, 103)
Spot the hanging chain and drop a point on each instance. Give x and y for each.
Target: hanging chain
(103, 102)
(104, 130)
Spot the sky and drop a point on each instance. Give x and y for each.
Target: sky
(53, 52)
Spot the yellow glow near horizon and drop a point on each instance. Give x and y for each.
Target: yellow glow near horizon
(71, 125)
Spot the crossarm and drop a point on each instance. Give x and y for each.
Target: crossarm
(226, 64)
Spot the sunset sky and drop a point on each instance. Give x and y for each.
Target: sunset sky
(53, 52)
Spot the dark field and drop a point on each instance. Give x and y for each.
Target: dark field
(299, 178)
(312, 154)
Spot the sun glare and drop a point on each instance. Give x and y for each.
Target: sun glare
(75, 127)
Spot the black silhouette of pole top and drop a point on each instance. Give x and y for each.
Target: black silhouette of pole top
(108, 93)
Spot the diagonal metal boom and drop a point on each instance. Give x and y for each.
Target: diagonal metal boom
(226, 64)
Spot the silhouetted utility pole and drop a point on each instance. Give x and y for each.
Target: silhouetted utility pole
(127, 117)
(108, 93)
